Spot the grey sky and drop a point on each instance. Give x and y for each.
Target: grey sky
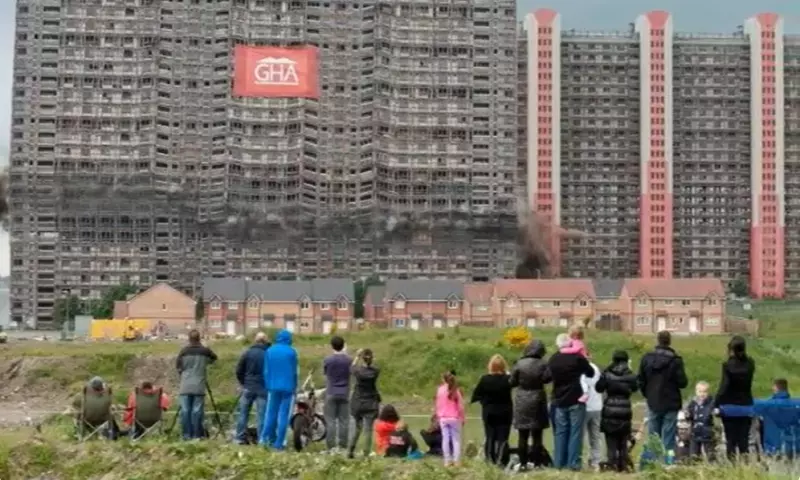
(688, 15)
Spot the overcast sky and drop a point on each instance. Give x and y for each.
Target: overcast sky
(716, 16)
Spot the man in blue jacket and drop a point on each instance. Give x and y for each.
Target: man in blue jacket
(280, 376)
(250, 374)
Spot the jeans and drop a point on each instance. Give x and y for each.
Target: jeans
(280, 406)
(451, 439)
(337, 418)
(246, 402)
(192, 413)
(737, 436)
(568, 444)
(664, 426)
(592, 427)
(496, 429)
(365, 421)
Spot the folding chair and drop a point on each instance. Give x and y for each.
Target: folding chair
(148, 417)
(94, 417)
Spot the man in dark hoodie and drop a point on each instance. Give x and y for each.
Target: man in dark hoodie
(192, 363)
(250, 374)
(736, 388)
(661, 378)
(570, 415)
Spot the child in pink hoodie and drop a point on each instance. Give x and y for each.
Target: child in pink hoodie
(577, 346)
(450, 410)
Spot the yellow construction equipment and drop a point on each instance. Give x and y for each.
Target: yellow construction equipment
(113, 329)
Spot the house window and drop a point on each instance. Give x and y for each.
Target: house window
(642, 301)
(215, 305)
(711, 321)
(304, 304)
(342, 305)
(324, 306)
(583, 303)
(233, 306)
(642, 321)
(556, 303)
(712, 301)
(668, 303)
(537, 304)
(215, 323)
(399, 323)
(686, 303)
(676, 321)
(511, 322)
(400, 305)
(511, 303)
(452, 304)
(266, 321)
(253, 303)
(164, 307)
(482, 308)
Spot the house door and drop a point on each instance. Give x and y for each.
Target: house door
(437, 323)
(692, 324)
(531, 322)
(414, 324)
(327, 326)
(662, 324)
(563, 323)
(230, 327)
(290, 325)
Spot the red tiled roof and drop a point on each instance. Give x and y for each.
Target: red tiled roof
(476, 293)
(674, 287)
(561, 288)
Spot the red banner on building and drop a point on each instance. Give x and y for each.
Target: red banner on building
(276, 72)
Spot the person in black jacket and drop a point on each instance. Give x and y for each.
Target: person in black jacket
(566, 370)
(401, 442)
(250, 375)
(529, 375)
(493, 392)
(736, 388)
(661, 378)
(365, 400)
(618, 382)
(700, 414)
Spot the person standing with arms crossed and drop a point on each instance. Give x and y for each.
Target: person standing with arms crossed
(192, 365)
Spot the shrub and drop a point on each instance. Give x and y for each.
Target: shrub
(439, 335)
(517, 337)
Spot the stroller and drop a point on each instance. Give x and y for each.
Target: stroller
(308, 423)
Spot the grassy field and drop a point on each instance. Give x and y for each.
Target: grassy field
(45, 375)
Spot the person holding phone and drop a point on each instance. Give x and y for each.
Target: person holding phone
(365, 400)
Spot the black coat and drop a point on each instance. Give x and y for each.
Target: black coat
(365, 399)
(618, 382)
(700, 415)
(661, 378)
(736, 385)
(567, 370)
(494, 394)
(250, 369)
(530, 375)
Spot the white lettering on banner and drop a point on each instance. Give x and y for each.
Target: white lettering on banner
(276, 71)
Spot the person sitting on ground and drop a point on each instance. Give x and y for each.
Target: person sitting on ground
(683, 438)
(401, 443)
(432, 436)
(386, 424)
(162, 403)
(699, 413)
(93, 407)
(576, 345)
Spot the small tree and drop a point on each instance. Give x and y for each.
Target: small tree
(65, 310)
(360, 288)
(199, 309)
(740, 287)
(104, 308)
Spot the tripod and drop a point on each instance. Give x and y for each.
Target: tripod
(217, 418)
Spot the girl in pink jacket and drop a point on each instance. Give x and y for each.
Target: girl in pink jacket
(450, 410)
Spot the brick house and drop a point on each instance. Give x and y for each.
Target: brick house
(478, 304)
(415, 304)
(159, 303)
(607, 304)
(685, 305)
(235, 305)
(542, 302)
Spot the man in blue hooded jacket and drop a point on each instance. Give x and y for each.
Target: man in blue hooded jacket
(280, 380)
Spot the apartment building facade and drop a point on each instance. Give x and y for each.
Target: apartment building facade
(670, 151)
(132, 161)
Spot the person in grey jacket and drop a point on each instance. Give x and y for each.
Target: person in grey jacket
(192, 362)
(529, 375)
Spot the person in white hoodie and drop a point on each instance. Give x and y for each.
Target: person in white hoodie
(594, 409)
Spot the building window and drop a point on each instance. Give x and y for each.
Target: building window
(324, 306)
(452, 304)
(215, 305)
(233, 306)
(556, 303)
(164, 307)
(686, 303)
(511, 303)
(304, 304)
(583, 303)
(399, 323)
(400, 305)
(642, 321)
(668, 303)
(215, 323)
(511, 322)
(712, 301)
(711, 321)
(642, 301)
(342, 305)
(253, 303)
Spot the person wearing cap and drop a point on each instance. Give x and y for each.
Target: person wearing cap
(365, 400)
(96, 401)
(250, 375)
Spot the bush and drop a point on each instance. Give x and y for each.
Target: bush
(517, 337)
(439, 336)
